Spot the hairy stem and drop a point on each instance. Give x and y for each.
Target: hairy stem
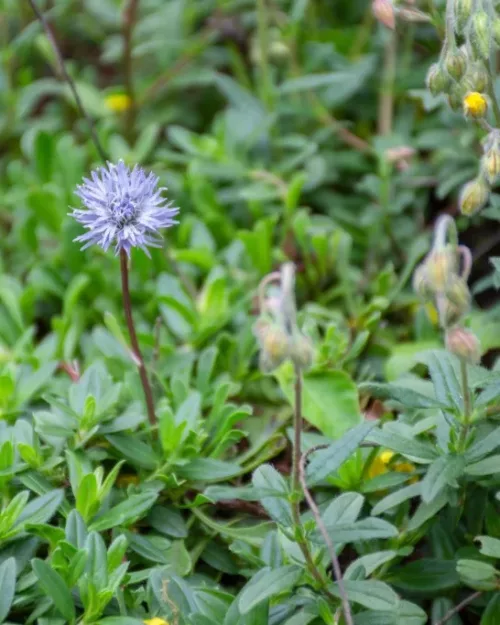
(459, 607)
(467, 402)
(62, 66)
(337, 571)
(386, 99)
(127, 307)
(263, 35)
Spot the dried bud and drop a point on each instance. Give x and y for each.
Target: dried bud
(475, 105)
(477, 77)
(463, 11)
(302, 351)
(491, 163)
(437, 80)
(464, 344)
(473, 196)
(456, 64)
(383, 10)
(440, 267)
(481, 34)
(495, 30)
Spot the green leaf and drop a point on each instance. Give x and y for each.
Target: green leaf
(7, 585)
(54, 587)
(426, 511)
(407, 397)
(266, 481)
(325, 461)
(489, 546)
(41, 509)
(126, 512)
(209, 470)
(394, 499)
(139, 453)
(371, 594)
(366, 529)
(330, 399)
(486, 466)
(426, 576)
(483, 447)
(411, 448)
(491, 615)
(119, 620)
(444, 471)
(477, 574)
(406, 613)
(269, 584)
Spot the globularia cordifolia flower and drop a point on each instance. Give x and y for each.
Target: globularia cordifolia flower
(123, 207)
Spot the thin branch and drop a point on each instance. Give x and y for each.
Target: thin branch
(459, 607)
(328, 541)
(55, 47)
(129, 20)
(127, 306)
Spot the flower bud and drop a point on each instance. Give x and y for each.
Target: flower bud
(302, 351)
(463, 11)
(440, 267)
(383, 10)
(274, 344)
(491, 163)
(279, 52)
(455, 96)
(477, 77)
(473, 196)
(481, 34)
(475, 105)
(456, 64)
(458, 294)
(421, 283)
(464, 344)
(437, 80)
(495, 30)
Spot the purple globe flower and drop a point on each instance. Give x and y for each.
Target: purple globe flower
(123, 207)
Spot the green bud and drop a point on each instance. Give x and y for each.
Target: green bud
(490, 163)
(458, 294)
(440, 267)
(274, 344)
(495, 30)
(463, 11)
(455, 97)
(464, 344)
(476, 78)
(481, 34)
(456, 64)
(474, 196)
(421, 284)
(437, 80)
(302, 351)
(279, 52)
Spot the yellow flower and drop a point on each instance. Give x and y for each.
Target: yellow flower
(118, 102)
(380, 465)
(475, 105)
(156, 621)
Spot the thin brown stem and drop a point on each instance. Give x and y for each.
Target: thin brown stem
(60, 60)
(127, 307)
(129, 20)
(386, 99)
(460, 606)
(326, 537)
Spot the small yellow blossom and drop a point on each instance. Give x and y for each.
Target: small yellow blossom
(475, 105)
(118, 102)
(156, 621)
(380, 465)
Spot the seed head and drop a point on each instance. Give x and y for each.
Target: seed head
(474, 196)
(464, 344)
(123, 207)
(475, 105)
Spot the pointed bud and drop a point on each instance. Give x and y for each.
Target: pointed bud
(495, 31)
(474, 196)
(477, 77)
(481, 34)
(275, 347)
(302, 352)
(475, 105)
(464, 344)
(491, 163)
(463, 11)
(456, 64)
(440, 267)
(437, 81)
(383, 10)
(458, 294)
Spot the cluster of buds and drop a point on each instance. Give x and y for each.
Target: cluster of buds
(475, 194)
(442, 280)
(276, 329)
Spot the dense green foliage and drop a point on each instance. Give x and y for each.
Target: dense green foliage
(285, 130)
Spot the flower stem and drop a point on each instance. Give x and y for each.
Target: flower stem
(263, 38)
(129, 20)
(127, 306)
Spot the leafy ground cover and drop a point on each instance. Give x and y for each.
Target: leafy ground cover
(285, 408)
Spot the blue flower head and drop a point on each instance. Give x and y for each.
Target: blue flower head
(123, 207)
